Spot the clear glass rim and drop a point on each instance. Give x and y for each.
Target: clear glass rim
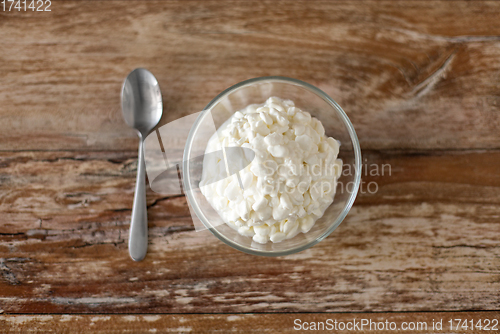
(357, 167)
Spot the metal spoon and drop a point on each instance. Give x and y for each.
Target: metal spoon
(142, 109)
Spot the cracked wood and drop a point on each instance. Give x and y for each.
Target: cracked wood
(427, 240)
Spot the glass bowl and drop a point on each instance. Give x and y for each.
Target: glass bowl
(307, 98)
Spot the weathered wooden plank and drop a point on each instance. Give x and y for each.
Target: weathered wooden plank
(410, 74)
(251, 323)
(426, 240)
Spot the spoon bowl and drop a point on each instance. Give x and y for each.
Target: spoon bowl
(141, 101)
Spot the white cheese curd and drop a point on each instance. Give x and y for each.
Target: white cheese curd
(290, 182)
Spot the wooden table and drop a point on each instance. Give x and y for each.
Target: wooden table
(420, 81)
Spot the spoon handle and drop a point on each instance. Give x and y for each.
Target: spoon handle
(138, 239)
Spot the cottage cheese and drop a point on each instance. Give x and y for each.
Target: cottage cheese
(289, 183)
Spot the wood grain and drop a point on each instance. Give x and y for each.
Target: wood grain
(410, 75)
(233, 323)
(426, 241)
(418, 79)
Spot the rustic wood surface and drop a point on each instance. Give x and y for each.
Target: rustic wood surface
(419, 80)
(410, 74)
(427, 240)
